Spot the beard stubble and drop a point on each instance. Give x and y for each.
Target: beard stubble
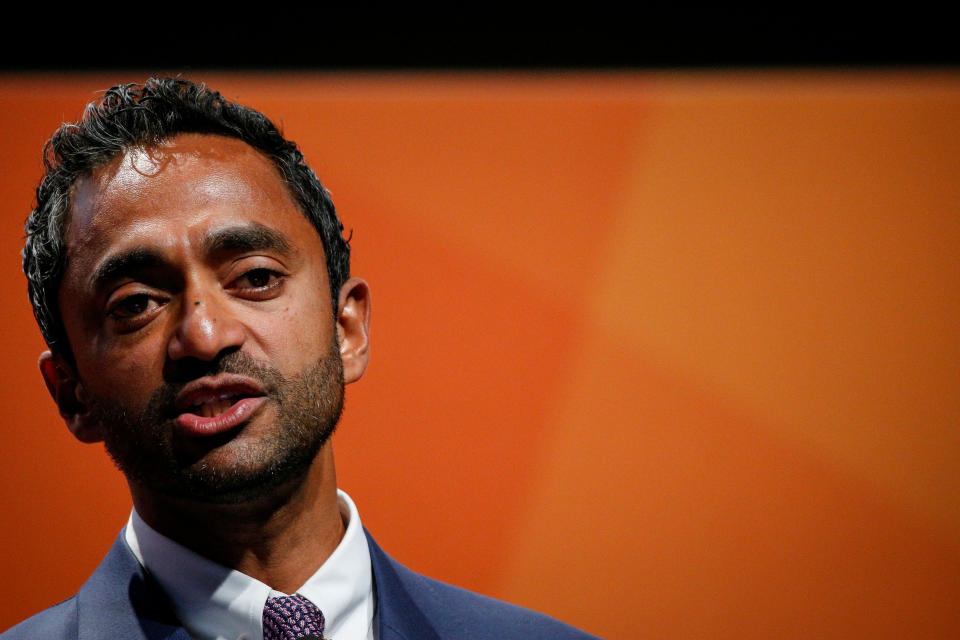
(223, 470)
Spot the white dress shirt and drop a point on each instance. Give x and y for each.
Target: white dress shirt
(216, 603)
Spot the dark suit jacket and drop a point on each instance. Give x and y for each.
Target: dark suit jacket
(121, 602)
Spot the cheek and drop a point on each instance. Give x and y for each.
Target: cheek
(126, 368)
(299, 333)
(128, 376)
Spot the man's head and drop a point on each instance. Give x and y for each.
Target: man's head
(130, 116)
(190, 321)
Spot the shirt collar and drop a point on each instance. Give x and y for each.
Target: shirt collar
(217, 603)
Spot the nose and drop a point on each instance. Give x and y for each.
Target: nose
(206, 328)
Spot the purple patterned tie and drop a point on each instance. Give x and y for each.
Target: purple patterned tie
(291, 617)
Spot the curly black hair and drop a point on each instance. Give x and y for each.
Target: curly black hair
(134, 115)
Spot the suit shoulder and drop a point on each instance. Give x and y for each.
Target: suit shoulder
(457, 613)
(56, 623)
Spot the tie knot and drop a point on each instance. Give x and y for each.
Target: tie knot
(291, 617)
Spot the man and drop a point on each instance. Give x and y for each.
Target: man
(190, 277)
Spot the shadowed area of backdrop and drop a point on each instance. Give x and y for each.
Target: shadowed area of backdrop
(661, 354)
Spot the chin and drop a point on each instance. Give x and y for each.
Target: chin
(229, 476)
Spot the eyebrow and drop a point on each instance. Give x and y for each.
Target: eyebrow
(125, 263)
(248, 237)
(240, 238)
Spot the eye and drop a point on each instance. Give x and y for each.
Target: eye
(258, 278)
(132, 306)
(131, 312)
(260, 283)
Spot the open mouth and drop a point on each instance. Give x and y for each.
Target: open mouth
(214, 405)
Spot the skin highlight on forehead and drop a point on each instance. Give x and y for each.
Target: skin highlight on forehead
(222, 173)
(126, 179)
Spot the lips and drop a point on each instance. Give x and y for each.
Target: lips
(217, 404)
(214, 404)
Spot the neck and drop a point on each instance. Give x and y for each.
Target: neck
(280, 539)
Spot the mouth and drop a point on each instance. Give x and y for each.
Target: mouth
(210, 406)
(214, 405)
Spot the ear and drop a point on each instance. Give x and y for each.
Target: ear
(68, 392)
(353, 328)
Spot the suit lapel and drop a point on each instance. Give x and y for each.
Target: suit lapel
(121, 601)
(399, 618)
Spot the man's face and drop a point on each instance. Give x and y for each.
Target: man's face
(196, 304)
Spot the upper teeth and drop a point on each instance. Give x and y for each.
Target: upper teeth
(213, 405)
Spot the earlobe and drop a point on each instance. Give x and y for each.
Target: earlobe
(69, 394)
(353, 328)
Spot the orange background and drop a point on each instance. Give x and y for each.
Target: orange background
(671, 355)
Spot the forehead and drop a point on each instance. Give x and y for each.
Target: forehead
(163, 194)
